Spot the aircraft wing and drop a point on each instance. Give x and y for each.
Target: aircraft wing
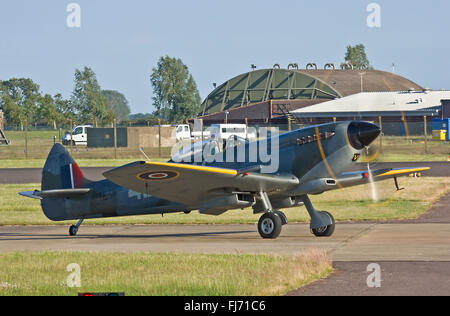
(352, 178)
(189, 184)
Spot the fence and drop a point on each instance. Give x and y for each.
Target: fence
(400, 141)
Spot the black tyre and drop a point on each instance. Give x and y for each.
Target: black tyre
(269, 225)
(282, 216)
(326, 231)
(73, 230)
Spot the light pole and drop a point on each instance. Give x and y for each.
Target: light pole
(361, 74)
(226, 117)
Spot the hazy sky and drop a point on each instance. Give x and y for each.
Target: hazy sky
(122, 40)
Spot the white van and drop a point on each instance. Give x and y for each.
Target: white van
(79, 136)
(222, 132)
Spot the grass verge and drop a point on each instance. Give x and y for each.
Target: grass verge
(44, 273)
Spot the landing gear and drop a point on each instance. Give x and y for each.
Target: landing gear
(325, 231)
(73, 230)
(282, 216)
(322, 223)
(269, 225)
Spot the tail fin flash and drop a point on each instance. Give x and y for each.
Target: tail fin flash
(61, 171)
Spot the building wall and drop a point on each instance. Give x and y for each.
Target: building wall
(132, 137)
(445, 108)
(149, 136)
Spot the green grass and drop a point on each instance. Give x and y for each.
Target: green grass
(353, 203)
(44, 273)
(396, 148)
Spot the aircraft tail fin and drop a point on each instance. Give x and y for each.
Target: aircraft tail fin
(61, 171)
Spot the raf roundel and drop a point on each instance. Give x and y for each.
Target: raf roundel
(158, 175)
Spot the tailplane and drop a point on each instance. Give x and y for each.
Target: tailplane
(63, 187)
(61, 171)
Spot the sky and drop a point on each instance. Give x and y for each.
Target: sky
(122, 40)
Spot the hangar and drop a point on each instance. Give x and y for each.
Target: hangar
(276, 96)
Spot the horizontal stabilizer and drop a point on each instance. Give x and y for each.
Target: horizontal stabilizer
(58, 193)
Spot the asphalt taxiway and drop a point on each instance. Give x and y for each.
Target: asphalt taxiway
(351, 242)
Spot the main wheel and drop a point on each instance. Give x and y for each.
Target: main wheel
(326, 231)
(73, 230)
(269, 225)
(282, 216)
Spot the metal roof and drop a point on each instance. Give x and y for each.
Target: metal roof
(266, 84)
(349, 82)
(403, 103)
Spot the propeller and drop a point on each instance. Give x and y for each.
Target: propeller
(373, 188)
(377, 192)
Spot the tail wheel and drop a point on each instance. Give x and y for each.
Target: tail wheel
(269, 225)
(326, 231)
(73, 230)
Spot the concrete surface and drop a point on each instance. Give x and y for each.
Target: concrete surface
(351, 242)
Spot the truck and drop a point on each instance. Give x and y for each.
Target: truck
(79, 136)
(220, 132)
(183, 132)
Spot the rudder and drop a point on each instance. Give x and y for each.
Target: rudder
(61, 171)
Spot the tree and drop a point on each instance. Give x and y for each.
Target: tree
(49, 111)
(356, 55)
(176, 96)
(87, 98)
(19, 99)
(118, 104)
(65, 107)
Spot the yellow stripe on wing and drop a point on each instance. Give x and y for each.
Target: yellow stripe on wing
(402, 171)
(194, 167)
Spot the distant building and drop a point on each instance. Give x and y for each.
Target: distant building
(274, 96)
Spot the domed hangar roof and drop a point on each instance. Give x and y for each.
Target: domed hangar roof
(349, 82)
(266, 84)
(305, 84)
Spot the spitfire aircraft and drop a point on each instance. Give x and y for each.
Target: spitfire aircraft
(311, 160)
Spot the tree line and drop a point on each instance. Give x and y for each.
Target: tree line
(175, 98)
(23, 102)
